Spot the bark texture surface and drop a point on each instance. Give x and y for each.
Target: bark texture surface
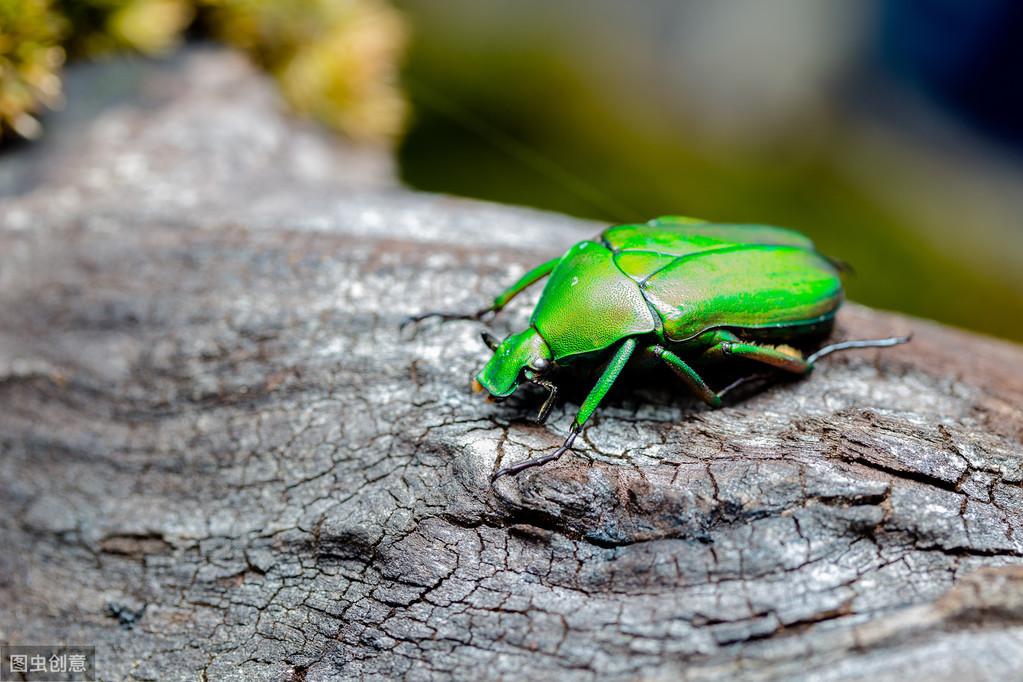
(218, 458)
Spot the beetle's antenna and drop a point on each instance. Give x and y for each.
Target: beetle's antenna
(545, 409)
(865, 343)
(490, 340)
(843, 266)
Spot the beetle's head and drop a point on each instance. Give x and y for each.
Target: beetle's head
(521, 357)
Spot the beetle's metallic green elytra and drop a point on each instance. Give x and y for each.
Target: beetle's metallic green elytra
(679, 292)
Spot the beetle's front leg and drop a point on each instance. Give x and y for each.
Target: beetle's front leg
(444, 317)
(604, 383)
(499, 302)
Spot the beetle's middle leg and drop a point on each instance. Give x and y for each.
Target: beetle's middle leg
(600, 389)
(688, 375)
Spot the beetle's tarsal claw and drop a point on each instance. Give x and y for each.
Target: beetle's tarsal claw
(865, 343)
(742, 381)
(444, 317)
(489, 339)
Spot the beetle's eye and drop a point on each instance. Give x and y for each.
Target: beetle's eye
(541, 365)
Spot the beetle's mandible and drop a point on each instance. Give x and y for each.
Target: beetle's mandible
(678, 292)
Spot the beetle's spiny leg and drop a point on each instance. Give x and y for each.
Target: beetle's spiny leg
(539, 461)
(865, 343)
(782, 357)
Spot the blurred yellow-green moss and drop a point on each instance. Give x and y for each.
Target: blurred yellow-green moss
(336, 61)
(100, 27)
(30, 62)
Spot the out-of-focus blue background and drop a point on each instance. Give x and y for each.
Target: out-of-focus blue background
(889, 130)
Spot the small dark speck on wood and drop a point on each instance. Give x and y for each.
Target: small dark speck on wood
(206, 409)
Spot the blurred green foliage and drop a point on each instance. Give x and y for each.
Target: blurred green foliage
(336, 61)
(524, 121)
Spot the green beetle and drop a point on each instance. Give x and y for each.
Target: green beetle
(679, 291)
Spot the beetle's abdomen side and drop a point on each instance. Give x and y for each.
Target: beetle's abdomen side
(746, 286)
(590, 304)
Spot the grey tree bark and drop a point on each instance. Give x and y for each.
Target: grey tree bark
(221, 461)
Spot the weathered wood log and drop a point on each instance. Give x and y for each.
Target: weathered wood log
(220, 459)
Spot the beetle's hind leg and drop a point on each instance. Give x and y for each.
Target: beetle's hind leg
(785, 358)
